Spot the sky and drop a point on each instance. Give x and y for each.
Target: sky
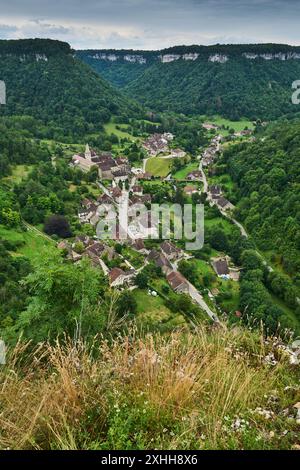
(151, 24)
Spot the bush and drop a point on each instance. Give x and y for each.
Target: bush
(57, 225)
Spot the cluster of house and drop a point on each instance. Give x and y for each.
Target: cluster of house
(85, 246)
(158, 143)
(195, 175)
(224, 268)
(114, 195)
(108, 166)
(209, 126)
(163, 259)
(244, 133)
(215, 197)
(209, 154)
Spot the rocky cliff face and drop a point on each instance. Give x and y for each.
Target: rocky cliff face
(211, 54)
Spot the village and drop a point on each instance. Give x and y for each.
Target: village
(121, 260)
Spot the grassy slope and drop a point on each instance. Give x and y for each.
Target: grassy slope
(19, 172)
(238, 126)
(183, 172)
(30, 243)
(159, 166)
(110, 128)
(212, 389)
(153, 313)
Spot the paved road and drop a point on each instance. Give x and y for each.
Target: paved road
(145, 163)
(205, 183)
(104, 189)
(197, 297)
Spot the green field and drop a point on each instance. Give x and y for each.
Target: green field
(159, 166)
(19, 172)
(68, 149)
(110, 128)
(30, 244)
(152, 313)
(238, 126)
(220, 223)
(183, 172)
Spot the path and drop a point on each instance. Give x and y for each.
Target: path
(39, 232)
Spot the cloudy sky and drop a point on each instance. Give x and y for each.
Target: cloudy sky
(151, 24)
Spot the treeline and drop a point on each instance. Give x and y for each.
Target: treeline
(230, 49)
(34, 46)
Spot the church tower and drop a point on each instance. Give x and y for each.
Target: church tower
(87, 153)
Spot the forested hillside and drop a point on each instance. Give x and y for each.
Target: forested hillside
(267, 172)
(252, 81)
(66, 98)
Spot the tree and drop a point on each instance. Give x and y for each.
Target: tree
(65, 299)
(141, 280)
(57, 225)
(218, 240)
(251, 260)
(127, 304)
(188, 270)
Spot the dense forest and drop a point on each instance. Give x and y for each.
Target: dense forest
(267, 172)
(17, 145)
(238, 88)
(66, 97)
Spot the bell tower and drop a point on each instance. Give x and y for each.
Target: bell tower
(87, 153)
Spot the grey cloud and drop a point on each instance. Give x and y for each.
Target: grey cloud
(153, 23)
(7, 30)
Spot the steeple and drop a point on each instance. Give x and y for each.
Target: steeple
(87, 153)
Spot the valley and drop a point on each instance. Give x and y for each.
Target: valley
(72, 148)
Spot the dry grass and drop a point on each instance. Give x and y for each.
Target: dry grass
(68, 397)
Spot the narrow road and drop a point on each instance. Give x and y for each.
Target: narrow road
(39, 232)
(195, 294)
(104, 189)
(197, 297)
(205, 183)
(145, 163)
